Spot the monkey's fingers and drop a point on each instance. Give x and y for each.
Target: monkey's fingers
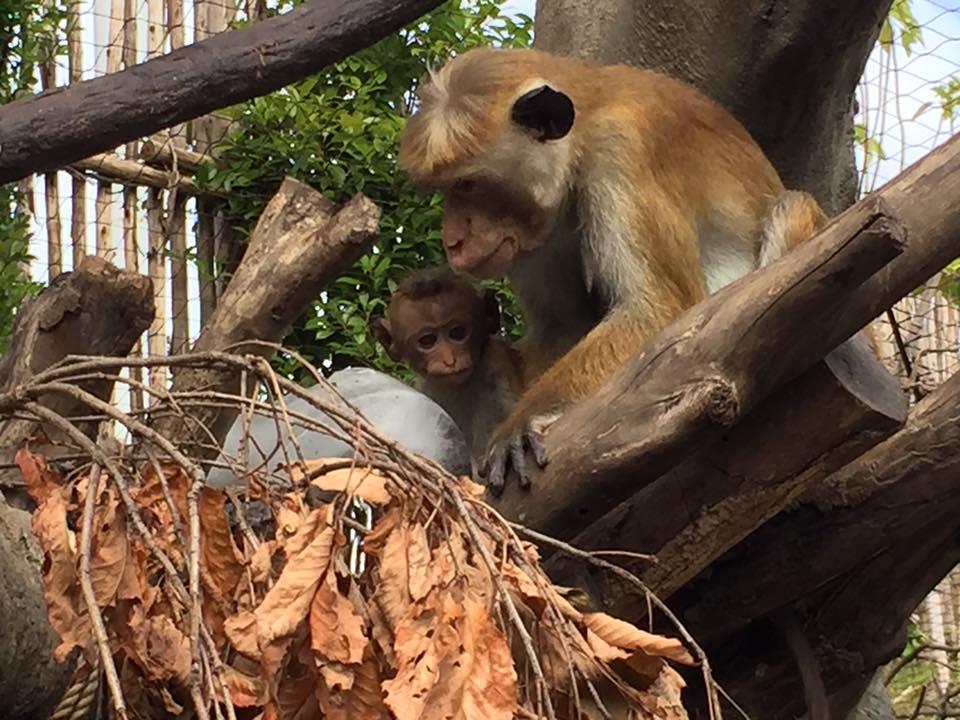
(494, 469)
(518, 458)
(534, 441)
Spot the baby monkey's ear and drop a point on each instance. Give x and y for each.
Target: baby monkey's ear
(380, 328)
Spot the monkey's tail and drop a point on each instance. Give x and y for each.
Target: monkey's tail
(814, 691)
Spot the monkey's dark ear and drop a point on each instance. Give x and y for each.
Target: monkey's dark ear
(380, 327)
(491, 311)
(548, 112)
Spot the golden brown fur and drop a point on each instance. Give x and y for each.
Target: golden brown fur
(654, 197)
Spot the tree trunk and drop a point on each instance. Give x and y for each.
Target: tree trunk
(787, 70)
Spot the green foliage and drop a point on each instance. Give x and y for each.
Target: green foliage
(338, 132)
(871, 146)
(901, 23)
(948, 93)
(29, 33)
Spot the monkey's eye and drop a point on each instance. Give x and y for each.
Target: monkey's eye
(458, 333)
(427, 341)
(464, 186)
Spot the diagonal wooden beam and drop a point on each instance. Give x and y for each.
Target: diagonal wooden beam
(67, 124)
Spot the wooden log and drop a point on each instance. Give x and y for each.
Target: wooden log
(95, 310)
(300, 243)
(62, 127)
(98, 310)
(707, 504)
(130, 172)
(874, 539)
(717, 361)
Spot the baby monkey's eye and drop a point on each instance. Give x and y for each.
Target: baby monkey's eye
(427, 341)
(458, 333)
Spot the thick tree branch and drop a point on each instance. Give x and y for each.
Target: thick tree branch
(716, 362)
(300, 243)
(856, 559)
(705, 505)
(95, 310)
(69, 123)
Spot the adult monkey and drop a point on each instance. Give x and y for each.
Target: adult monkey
(612, 197)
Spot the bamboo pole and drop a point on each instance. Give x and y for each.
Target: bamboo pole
(177, 212)
(156, 257)
(114, 50)
(131, 243)
(130, 172)
(48, 80)
(130, 248)
(220, 16)
(78, 189)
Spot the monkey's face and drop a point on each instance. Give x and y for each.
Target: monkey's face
(439, 337)
(485, 229)
(493, 135)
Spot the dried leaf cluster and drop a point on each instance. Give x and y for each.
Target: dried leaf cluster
(451, 617)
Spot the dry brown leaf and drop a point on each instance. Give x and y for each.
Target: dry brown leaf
(419, 575)
(152, 498)
(161, 650)
(362, 699)
(605, 652)
(113, 571)
(374, 540)
(629, 637)
(287, 603)
(219, 555)
(41, 482)
(296, 697)
(241, 630)
(462, 669)
(336, 630)
(245, 690)
(418, 657)
(531, 595)
(363, 482)
(471, 489)
(393, 590)
(61, 588)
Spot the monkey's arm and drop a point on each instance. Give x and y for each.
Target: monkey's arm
(573, 377)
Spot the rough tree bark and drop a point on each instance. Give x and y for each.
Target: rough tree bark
(96, 310)
(786, 69)
(69, 123)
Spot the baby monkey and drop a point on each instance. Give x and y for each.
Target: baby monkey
(448, 331)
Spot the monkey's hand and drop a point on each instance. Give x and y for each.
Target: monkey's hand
(507, 451)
